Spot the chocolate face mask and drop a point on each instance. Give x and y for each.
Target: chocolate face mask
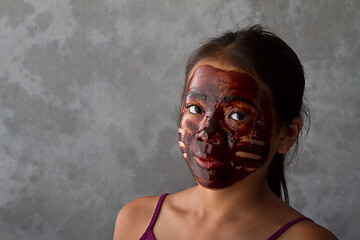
(225, 126)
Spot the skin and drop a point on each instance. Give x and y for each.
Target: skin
(246, 209)
(225, 127)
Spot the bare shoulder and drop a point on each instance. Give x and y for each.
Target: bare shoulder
(133, 219)
(308, 230)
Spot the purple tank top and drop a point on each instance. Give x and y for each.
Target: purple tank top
(148, 234)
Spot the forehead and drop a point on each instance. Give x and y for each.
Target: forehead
(217, 81)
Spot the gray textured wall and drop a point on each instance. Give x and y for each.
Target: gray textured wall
(89, 96)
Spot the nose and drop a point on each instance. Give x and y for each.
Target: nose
(212, 132)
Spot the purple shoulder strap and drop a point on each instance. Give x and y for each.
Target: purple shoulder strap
(286, 226)
(157, 210)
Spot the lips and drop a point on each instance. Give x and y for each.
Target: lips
(209, 163)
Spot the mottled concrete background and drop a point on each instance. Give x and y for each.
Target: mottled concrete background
(89, 99)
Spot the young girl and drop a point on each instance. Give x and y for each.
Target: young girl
(242, 110)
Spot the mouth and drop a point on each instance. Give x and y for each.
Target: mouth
(208, 163)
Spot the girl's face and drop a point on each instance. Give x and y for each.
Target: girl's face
(226, 125)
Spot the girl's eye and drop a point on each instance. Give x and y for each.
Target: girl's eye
(238, 116)
(195, 109)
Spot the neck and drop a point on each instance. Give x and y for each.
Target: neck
(241, 197)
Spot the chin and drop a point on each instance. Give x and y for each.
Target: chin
(217, 184)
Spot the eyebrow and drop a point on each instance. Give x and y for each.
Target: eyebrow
(224, 100)
(196, 95)
(239, 98)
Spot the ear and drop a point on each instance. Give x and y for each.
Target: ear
(288, 135)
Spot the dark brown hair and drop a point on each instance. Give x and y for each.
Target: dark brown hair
(271, 61)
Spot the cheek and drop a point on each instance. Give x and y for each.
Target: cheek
(188, 125)
(250, 151)
(187, 131)
(239, 131)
